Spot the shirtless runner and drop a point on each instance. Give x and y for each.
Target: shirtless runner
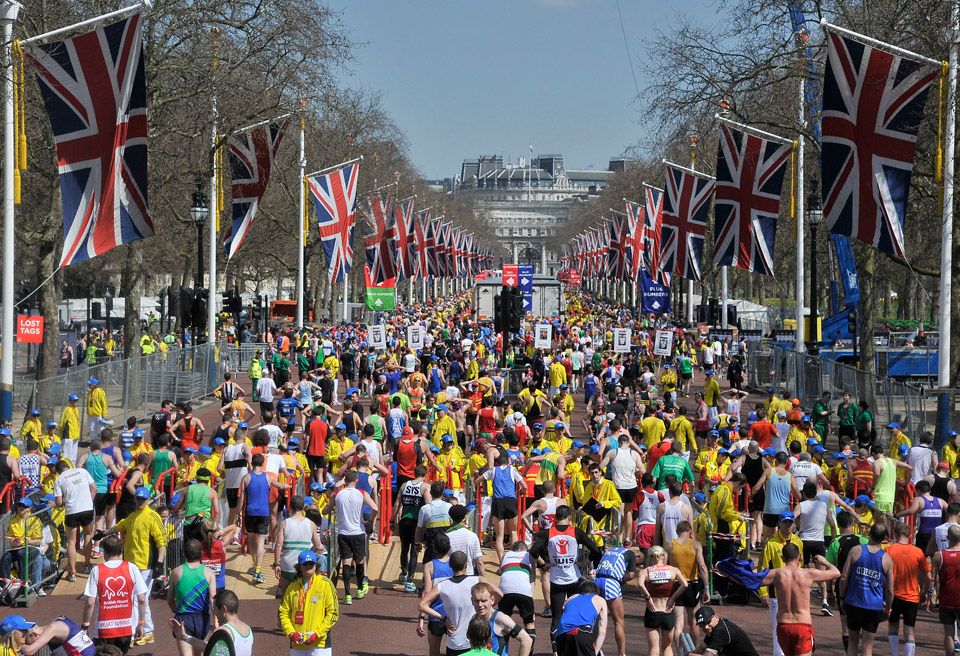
(792, 583)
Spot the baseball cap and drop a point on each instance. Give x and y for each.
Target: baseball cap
(34, 413)
(139, 433)
(819, 449)
(205, 451)
(700, 497)
(353, 390)
(704, 615)
(594, 448)
(53, 460)
(309, 501)
(47, 498)
(787, 516)
(518, 416)
(560, 424)
(537, 425)
(93, 381)
(142, 492)
(736, 453)
(795, 401)
(863, 500)
(13, 623)
(447, 492)
(341, 426)
(189, 449)
(611, 416)
(319, 395)
(537, 452)
(893, 424)
(643, 447)
(577, 444)
(447, 438)
(812, 440)
(840, 455)
(805, 418)
(713, 433)
(667, 365)
(306, 556)
(26, 502)
(769, 451)
(951, 433)
(904, 449)
(243, 424)
(73, 397)
(54, 449)
(434, 448)
(564, 386)
(217, 441)
(407, 430)
(709, 372)
(770, 390)
(545, 450)
(442, 406)
(723, 451)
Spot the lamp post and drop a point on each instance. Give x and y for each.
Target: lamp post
(199, 211)
(814, 217)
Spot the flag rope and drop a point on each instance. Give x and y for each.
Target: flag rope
(19, 120)
(793, 181)
(941, 106)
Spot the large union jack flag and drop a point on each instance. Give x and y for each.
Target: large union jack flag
(421, 225)
(335, 200)
(251, 154)
(636, 242)
(405, 254)
(381, 243)
(685, 208)
(750, 173)
(95, 91)
(654, 200)
(617, 254)
(872, 108)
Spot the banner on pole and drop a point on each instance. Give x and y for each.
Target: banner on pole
(29, 329)
(543, 336)
(415, 337)
(655, 297)
(382, 295)
(525, 271)
(510, 275)
(621, 340)
(663, 345)
(377, 337)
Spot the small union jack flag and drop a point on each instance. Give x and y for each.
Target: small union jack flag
(872, 108)
(685, 208)
(335, 201)
(636, 240)
(404, 257)
(380, 244)
(251, 154)
(95, 91)
(750, 173)
(654, 199)
(617, 255)
(421, 223)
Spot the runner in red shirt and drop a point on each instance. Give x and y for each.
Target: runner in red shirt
(316, 449)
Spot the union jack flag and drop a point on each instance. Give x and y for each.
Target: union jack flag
(637, 243)
(380, 244)
(95, 92)
(872, 108)
(430, 246)
(403, 221)
(251, 154)
(421, 224)
(750, 173)
(335, 201)
(654, 198)
(685, 208)
(617, 255)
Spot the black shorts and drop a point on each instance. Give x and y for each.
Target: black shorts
(79, 519)
(233, 496)
(901, 608)
(195, 624)
(684, 376)
(123, 644)
(770, 520)
(352, 546)
(691, 596)
(437, 628)
(949, 616)
(922, 540)
(504, 508)
(256, 524)
(407, 529)
(862, 619)
(628, 495)
(812, 548)
(101, 502)
(522, 604)
(266, 406)
(654, 620)
(317, 462)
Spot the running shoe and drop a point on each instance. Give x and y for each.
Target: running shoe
(547, 613)
(251, 570)
(348, 600)
(363, 590)
(71, 577)
(145, 639)
(258, 577)
(409, 586)
(825, 610)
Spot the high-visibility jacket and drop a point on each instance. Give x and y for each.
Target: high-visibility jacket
(316, 608)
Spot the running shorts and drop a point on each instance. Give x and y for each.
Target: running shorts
(796, 639)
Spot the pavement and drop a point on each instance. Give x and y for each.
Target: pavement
(384, 622)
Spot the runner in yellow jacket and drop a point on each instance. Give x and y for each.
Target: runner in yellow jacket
(309, 608)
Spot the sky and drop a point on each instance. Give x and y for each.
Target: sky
(468, 78)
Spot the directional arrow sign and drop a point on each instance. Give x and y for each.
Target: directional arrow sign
(524, 282)
(510, 275)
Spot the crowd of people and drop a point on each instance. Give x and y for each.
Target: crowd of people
(597, 471)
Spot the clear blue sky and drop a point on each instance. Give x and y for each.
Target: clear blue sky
(465, 78)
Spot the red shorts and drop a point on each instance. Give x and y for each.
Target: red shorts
(645, 534)
(795, 639)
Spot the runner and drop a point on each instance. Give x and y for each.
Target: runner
(867, 590)
(233, 636)
(413, 495)
(516, 584)
(255, 495)
(686, 554)
(75, 490)
(116, 599)
(911, 574)
(581, 628)
(190, 592)
(502, 627)
(295, 535)
(721, 637)
(455, 594)
(946, 574)
(62, 635)
(505, 479)
(617, 566)
(352, 534)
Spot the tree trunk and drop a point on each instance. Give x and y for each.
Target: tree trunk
(131, 288)
(867, 266)
(50, 395)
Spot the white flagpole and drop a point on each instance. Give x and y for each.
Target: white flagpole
(799, 346)
(724, 296)
(346, 295)
(946, 242)
(8, 14)
(212, 232)
(302, 237)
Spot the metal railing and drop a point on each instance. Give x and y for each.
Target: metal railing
(806, 377)
(137, 385)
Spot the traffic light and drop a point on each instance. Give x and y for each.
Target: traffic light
(257, 307)
(236, 303)
(852, 322)
(200, 307)
(187, 301)
(160, 307)
(498, 314)
(516, 309)
(226, 301)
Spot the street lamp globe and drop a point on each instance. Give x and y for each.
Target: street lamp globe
(814, 215)
(199, 210)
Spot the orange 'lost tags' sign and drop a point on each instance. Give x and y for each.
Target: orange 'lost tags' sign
(29, 329)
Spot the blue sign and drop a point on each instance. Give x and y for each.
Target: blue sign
(655, 298)
(847, 264)
(525, 284)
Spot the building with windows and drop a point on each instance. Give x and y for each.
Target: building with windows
(527, 202)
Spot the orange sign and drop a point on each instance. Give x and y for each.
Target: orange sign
(29, 329)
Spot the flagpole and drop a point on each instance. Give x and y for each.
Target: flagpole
(266, 121)
(799, 341)
(335, 166)
(214, 205)
(119, 13)
(346, 296)
(301, 221)
(8, 14)
(946, 241)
